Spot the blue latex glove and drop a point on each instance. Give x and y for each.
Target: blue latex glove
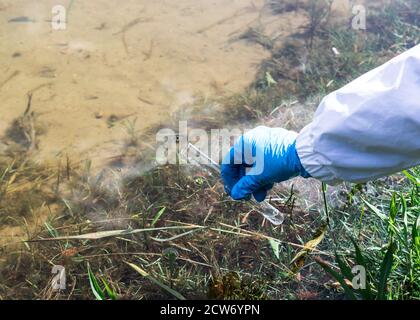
(260, 158)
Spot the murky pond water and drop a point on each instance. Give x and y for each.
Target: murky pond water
(122, 60)
(135, 59)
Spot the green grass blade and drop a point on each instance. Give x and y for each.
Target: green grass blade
(415, 233)
(393, 210)
(157, 282)
(360, 260)
(158, 215)
(412, 178)
(275, 247)
(385, 272)
(96, 289)
(376, 211)
(51, 230)
(405, 222)
(112, 295)
(345, 269)
(348, 291)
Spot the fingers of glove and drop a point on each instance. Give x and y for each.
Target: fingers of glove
(245, 187)
(261, 193)
(230, 176)
(232, 170)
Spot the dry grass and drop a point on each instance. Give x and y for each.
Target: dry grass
(215, 241)
(176, 222)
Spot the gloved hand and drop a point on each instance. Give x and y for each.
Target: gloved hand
(258, 159)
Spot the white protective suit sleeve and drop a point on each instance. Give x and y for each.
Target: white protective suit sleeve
(369, 128)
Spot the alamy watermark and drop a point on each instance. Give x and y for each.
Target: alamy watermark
(58, 17)
(359, 279)
(59, 279)
(359, 17)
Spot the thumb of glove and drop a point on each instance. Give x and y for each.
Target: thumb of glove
(261, 193)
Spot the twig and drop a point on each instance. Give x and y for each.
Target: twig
(39, 87)
(224, 20)
(140, 254)
(131, 24)
(324, 196)
(110, 233)
(29, 130)
(148, 54)
(28, 105)
(14, 74)
(176, 236)
(256, 234)
(124, 41)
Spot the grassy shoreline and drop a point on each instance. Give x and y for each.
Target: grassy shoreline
(191, 240)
